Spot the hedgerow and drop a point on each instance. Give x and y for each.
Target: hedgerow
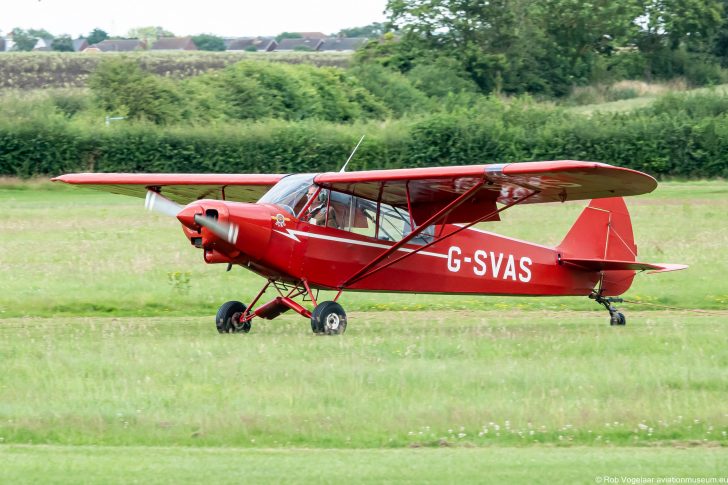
(658, 140)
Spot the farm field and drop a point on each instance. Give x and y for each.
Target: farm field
(43, 70)
(110, 368)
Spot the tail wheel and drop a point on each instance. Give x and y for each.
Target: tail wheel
(617, 318)
(228, 318)
(328, 318)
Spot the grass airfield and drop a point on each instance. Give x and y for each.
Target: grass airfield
(110, 369)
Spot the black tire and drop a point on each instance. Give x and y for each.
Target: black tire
(328, 318)
(618, 319)
(228, 313)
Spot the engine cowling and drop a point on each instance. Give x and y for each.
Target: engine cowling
(228, 231)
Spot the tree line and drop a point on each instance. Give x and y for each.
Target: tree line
(546, 47)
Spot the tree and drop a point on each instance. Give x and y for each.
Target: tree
(288, 35)
(493, 41)
(121, 87)
(376, 29)
(149, 34)
(679, 38)
(682, 22)
(23, 41)
(40, 34)
(209, 42)
(63, 43)
(96, 36)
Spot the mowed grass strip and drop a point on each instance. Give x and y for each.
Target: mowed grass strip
(72, 251)
(90, 464)
(395, 379)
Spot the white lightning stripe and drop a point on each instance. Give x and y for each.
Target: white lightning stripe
(293, 233)
(289, 234)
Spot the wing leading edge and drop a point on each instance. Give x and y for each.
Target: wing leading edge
(181, 188)
(429, 189)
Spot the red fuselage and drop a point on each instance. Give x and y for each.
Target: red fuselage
(278, 246)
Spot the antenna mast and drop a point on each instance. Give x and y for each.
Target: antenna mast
(343, 169)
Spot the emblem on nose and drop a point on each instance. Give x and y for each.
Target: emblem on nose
(280, 220)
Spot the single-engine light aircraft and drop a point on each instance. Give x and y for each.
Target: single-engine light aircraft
(401, 230)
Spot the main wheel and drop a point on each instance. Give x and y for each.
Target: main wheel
(328, 318)
(228, 316)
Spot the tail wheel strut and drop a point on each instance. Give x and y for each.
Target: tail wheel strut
(615, 317)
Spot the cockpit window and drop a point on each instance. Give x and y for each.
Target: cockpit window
(289, 192)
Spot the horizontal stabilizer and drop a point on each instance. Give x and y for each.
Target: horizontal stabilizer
(612, 265)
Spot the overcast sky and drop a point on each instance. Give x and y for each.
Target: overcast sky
(221, 17)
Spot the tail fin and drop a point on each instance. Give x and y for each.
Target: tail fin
(601, 240)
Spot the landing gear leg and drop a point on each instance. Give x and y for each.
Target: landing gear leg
(615, 317)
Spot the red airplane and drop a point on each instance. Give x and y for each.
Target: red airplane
(404, 230)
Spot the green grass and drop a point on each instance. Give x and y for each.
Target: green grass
(396, 379)
(72, 251)
(625, 105)
(111, 371)
(55, 464)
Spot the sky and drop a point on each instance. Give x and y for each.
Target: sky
(227, 18)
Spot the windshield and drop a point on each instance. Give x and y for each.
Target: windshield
(289, 191)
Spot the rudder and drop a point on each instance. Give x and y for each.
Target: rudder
(603, 232)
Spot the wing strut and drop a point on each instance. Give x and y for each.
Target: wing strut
(369, 269)
(416, 232)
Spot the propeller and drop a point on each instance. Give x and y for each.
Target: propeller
(188, 216)
(228, 232)
(156, 202)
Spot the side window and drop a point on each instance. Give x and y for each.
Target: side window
(359, 216)
(363, 217)
(392, 223)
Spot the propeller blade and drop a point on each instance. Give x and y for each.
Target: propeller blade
(156, 202)
(228, 232)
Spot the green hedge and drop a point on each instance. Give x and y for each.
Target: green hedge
(663, 141)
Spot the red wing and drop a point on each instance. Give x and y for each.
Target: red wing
(431, 189)
(181, 188)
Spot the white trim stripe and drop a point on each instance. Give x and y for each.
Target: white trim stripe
(362, 243)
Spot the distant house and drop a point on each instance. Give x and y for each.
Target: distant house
(43, 45)
(79, 45)
(174, 44)
(261, 44)
(312, 35)
(2, 45)
(299, 44)
(122, 45)
(343, 44)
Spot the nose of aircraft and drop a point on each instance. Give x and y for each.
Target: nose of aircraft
(187, 215)
(244, 227)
